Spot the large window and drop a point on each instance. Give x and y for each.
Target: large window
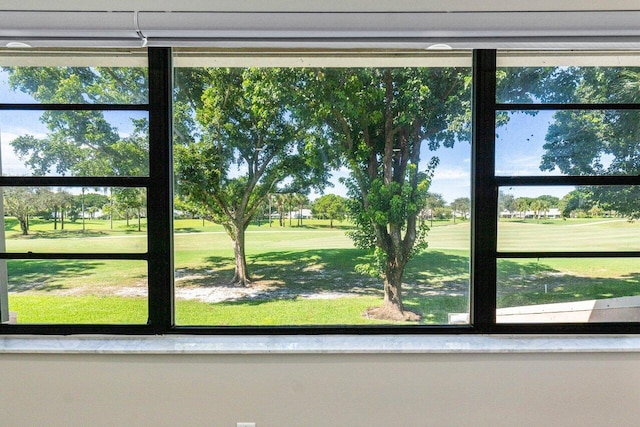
(307, 194)
(201, 191)
(567, 159)
(74, 129)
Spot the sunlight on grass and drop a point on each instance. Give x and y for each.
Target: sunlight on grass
(78, 309)
(290, 265)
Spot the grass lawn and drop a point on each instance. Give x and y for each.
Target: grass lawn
(304, 275)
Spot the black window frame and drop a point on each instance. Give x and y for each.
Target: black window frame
(484, 254)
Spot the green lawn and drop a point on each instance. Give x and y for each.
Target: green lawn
(304, 275)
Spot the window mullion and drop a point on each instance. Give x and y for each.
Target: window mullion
(484, 208)
(160, 190)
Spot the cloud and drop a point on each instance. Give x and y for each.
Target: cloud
(452, 174)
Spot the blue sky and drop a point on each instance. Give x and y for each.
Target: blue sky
(518, 149)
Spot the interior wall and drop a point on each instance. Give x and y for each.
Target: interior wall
(549, 389)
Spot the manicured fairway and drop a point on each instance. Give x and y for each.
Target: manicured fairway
(306, 275)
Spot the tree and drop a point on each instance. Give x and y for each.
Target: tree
(523, 204)
(247, 145)
(21, 202)
(129, 202)
(598, 142)
(331, 207)
(83, 142)
(539, 206)
(280, 201)
(506, 202)
(460, 205)
(93, 202)
(379, 118)
(59, 201)
(434, 207)
(300, 201)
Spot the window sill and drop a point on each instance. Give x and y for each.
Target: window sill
(321, 344)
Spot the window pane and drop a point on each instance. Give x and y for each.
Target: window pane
(306, 257)
(572, 142)
(568, 290)
(567, 77)
(81, 220)
(78, 143)
(78, 291)
(560, 218)
(74, 77)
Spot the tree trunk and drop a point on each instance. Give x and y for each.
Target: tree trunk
(24, 227)
(392, 307)
(240, 275)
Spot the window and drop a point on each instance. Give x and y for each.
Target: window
(268, 169)
(202, 191)
(75, 175)
(566, 162)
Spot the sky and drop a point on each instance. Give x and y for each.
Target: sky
(518, 149)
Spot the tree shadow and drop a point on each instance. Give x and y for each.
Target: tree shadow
(536, 283)
(436, 273)
(336, 227)
(434, 281)
(11, 223)
(289, 274)
(185, 230)
(44, 275)
(294, 274)
(60, 234)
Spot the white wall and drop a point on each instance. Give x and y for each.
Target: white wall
(596, 389)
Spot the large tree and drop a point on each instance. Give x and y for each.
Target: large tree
(243, 146)
(598, 142)
(462, 206)
(83, 142)
(331, 207)
(21, 203)
(381, 119)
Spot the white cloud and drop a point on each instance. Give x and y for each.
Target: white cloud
(451, 174)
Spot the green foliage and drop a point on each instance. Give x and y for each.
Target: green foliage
(506, 202)
(237, 142)
(388, 206)
(379, 119)
(462, 206)
(330, 206)
(21, 202)
(246, 144)
(83, 142)
(585, 142)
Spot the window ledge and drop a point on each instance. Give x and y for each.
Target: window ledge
(320, 344)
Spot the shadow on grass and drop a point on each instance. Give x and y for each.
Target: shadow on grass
(432, 276)
(336, 226)
(293, 274)
(11, 223)
(528, 283)
(44, 275)
(60, 234)
(288, 274)
(183, 230)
